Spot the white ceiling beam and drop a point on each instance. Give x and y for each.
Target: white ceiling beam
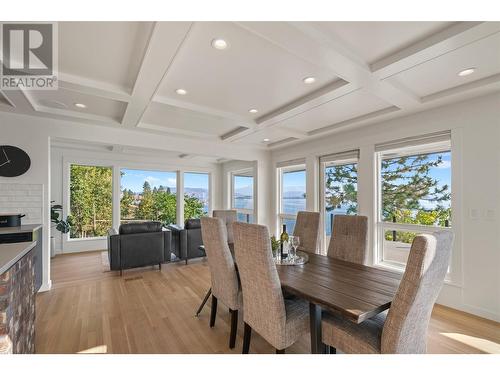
(92, 87)
(451, 38)
(165, 41)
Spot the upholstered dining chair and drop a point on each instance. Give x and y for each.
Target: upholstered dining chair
(307, 229)
(225, 284)
(349, 238)
(280, 322)
(228, 218)
(404, 328)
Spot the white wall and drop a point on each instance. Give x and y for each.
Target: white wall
(475, 127)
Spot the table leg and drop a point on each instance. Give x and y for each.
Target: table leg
(203, 302)
(317, 346)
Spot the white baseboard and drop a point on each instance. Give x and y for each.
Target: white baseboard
(45, 287)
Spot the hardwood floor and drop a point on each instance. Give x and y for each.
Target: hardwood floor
(152, 311)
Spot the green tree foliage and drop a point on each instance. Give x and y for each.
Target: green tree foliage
(90, 200)
(127, 208)
(193, 207)
(341, 182)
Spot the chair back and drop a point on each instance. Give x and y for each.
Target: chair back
(349, 238)
(307, 229)
(228, 218)
(263, 303)
(225, 285)
(405, 329)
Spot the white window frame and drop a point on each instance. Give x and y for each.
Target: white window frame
(209, 188)
(342, 158)
(383, 226)
(281, 170)
(244, 173)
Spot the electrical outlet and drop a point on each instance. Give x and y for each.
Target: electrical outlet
(474, 213)
(489, 214)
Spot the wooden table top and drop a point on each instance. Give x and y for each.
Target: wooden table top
(357, 292)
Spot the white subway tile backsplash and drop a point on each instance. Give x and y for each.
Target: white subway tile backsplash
(24, 199)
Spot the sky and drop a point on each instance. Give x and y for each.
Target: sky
(134, 179)
(244, 183)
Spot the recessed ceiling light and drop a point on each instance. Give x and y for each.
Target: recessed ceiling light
(309, 80)
(253, 110)
(219, 43)
(266, 140)
(80, 105)
(466, 72)
(181, 91)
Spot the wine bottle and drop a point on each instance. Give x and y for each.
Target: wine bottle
(283, 241)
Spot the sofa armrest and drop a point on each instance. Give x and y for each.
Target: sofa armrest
(114, 251)
(183, 244)
(167, 245)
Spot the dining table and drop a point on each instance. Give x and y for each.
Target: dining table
(354, 291)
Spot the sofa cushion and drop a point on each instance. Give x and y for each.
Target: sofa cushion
(192, 224)
(145, 227)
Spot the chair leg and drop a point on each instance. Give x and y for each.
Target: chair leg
(159, 265)
(213, 311)
(280, 351)
(186, 261)
(247, 335)
(234, 328)
(121, 272)
(330, 350)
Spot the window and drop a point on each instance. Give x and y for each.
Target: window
(339, 189)
(415, 194)
(292, 195)
(196, 195)
(242, 199)
(148, 195)
(91, 201)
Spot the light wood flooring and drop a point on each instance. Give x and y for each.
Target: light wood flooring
(151, 311)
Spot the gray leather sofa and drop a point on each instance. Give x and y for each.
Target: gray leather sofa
(139, 245)
(186, 241)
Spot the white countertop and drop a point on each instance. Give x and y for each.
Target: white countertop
(10, 253)
(20, 229)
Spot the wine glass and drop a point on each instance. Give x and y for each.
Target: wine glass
(294, 244)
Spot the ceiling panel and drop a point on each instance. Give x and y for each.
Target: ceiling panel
(110, 52)
(251, 73)
(354, 104)
(168, 116)
(440, 73)
(373, 41)
(63, 99)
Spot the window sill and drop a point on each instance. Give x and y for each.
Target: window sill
(401, 269)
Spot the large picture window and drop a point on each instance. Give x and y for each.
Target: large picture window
(415, 194)
(91, 201)
(242, 199)
(148, 195)
(339, 186)
(292, 194)
(196, 195)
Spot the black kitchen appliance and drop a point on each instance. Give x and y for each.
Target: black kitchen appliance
(10, 220)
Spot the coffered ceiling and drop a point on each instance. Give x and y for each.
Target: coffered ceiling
(128, 75)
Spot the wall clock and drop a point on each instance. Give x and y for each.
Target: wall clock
(13, 161)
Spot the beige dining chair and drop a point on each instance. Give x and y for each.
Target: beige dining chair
(280, 322)
(228, 218)
(307, 229)
(225, 284)
(349, 238)
(404, 328)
